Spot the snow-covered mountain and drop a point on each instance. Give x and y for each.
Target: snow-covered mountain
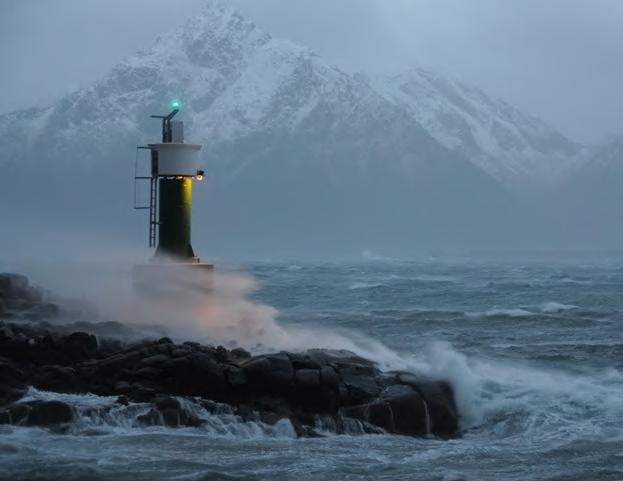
(296, 149)
(513, 147)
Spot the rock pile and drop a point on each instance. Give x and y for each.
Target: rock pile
(335, 387)
(19, 299)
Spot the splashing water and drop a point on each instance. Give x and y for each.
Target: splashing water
(541, 393)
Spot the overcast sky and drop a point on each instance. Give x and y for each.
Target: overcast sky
(559, 59)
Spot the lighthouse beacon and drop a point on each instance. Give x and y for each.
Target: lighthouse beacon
(174, 167)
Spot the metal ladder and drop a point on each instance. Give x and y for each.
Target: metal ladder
(153, 211)
(153, 200)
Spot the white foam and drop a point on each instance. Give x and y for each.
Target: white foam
(76, 400)
(102, 414)
(553, 307)
(364, 285)
(501, 313)
(505, 392)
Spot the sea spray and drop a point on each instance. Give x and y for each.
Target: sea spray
(486, 390)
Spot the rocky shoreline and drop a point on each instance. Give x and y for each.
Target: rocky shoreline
(316, 390)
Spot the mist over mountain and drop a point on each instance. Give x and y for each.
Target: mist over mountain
(589, 200)
(517, 149)
(298, 152)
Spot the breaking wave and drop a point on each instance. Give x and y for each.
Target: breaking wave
(500, 313)
(553, 307)
(102, 415)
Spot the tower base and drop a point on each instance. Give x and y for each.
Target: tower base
(177, 279)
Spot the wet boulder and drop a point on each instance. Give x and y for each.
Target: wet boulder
(236, 378)
(49, 413)
(281, 369)
(12, 381)
(360, 382)
(329, 377)
(19, 299)
(78, 346)
(303, 361)
(168, 411)
(399, 409)
(16, 414)
(269, 372)
(307, 379)
(55, 378)
(198, 374)
(409, 414)
(439, 398)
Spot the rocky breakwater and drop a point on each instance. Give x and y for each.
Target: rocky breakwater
(316, 390)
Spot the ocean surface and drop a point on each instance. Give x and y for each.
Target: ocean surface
(534, 350)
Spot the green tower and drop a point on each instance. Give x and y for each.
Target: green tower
(174, 219)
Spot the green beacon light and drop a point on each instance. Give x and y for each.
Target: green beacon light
(176, 104)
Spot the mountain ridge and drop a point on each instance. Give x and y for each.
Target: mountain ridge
(295, 148)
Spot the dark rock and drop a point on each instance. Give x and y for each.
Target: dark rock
(180, 352)
(329, 377)
(399, 409)
(142, 394)
(281, 369)
(16, 414)
(5, 285)
(147, 373)
(235, 377)
(240, 354)
(12, 285)
(6, 333)
(150, 418)
(12, 382)
(221, 354)
(256, 369)
(48, 413)
(361, 383)
(168, 412)
(307, 379)
(386, 379)
(116, 362)
(356, 412)
(165, 340)
(304, 361)
(79, 345)
(166, 402)
(122, 387)
(154, 360)
(339, 358)
(380, 414)
(54, 378)
(247, 414)
(197, 374)
(5, 417)
(440, 404)
(408, 411)
(172, 417)
(10, 373)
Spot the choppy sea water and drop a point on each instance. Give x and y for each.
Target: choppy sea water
(534, 350)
